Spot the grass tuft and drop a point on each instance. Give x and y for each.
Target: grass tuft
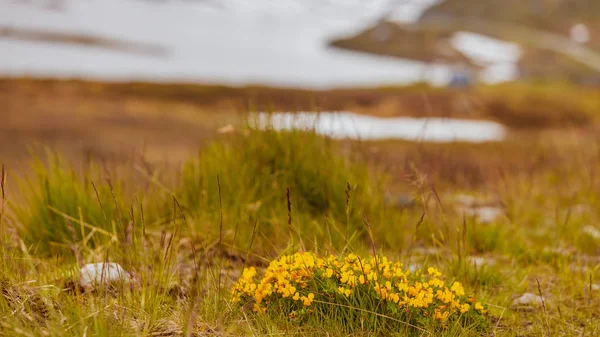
(268, 174)
(62, 207)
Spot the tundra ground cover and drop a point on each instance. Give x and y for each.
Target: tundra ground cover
(253, 197)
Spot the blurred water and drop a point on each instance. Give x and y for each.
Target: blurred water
(355, 126)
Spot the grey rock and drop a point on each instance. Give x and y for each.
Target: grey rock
(528, 299)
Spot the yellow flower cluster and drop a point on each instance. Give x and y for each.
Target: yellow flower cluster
(304, 277)
(286, 277)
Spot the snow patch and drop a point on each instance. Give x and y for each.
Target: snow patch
(409, 11)
(498, 57)
(234, 42)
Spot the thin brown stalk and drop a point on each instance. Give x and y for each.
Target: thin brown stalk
(99, 201)
(73, 245)
(368, 226)
(2, 191)
(462, 247)
(348, 190)
(235, 231)
(220, 242)
(128, 235)
(254, 230)
(193, 311)
(129, 239)
(175, 232)
(112, 192)
(188, 227)
(590, 289)
(142, 219)
(415, 235)
(289, 209)
(370, 232)
(539, 287)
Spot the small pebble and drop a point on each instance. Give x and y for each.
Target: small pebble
(226, 129)
(527, 299)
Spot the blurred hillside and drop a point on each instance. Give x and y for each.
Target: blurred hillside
(558, 39)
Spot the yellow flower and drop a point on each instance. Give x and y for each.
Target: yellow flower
(436, 283)
(288, 275)
(399, 273)
(480, 308)
(249, 273)
(433, 272)
(259, 309)
(402, 286)
(441, 315)
(344, 291)
(361, 279)
(394, 297)
(307, 300)
(372, 276)
(458, 289)
(381, 291)
(445, 296)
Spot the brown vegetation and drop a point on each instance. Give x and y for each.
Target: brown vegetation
(167, 122)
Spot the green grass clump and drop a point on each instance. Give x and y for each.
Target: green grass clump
(62, 207)
(256, 169)
(380, 294)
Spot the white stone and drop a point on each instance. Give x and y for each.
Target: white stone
(527, 299)
(580, 33)
(595, 287)
(93, 274)
(487, 214)
(483, 214)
